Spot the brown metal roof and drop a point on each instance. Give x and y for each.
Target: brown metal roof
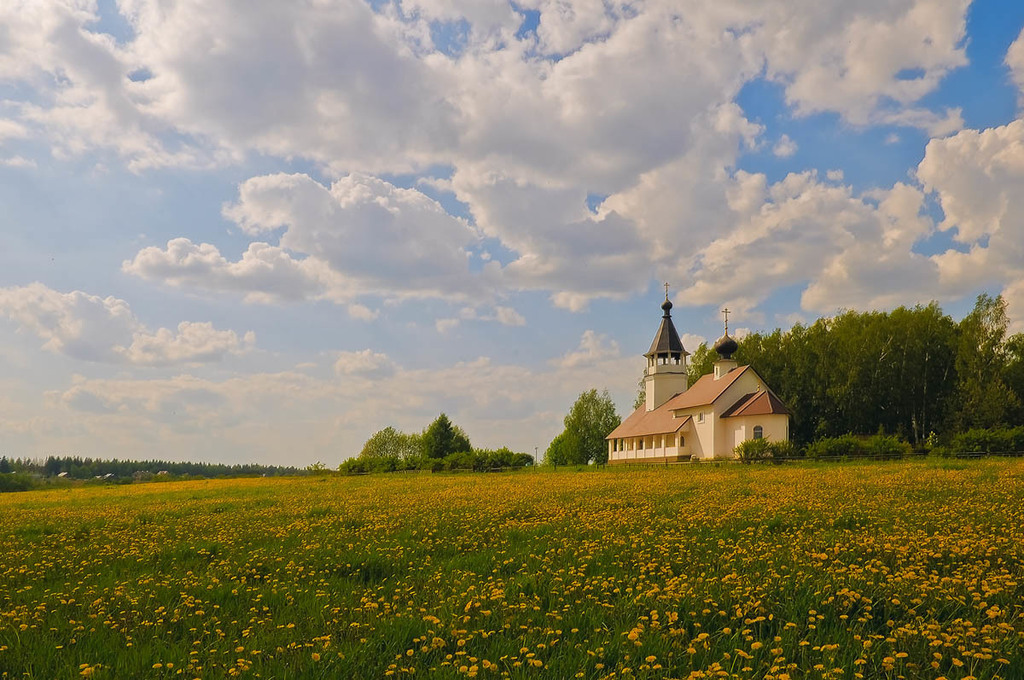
(758, 403)
(643, 422)
(705, 391)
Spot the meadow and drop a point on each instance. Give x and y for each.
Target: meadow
(859, 570)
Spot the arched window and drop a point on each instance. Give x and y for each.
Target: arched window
(758, 432)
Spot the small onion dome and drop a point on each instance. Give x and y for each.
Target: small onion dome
(666, 306)
(726, 346)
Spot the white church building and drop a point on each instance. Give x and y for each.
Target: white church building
(702, 421)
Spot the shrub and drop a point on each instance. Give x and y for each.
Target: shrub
(784, 449)
(993, 440)
(15, 482)
(835, 447)
(887, 446)
(753, 450)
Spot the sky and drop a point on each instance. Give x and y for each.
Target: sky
(259, 231)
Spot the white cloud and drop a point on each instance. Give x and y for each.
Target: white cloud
(265, 273)
(593, 348)
(18, 162)
(630, 101)
(359, 236)
(444, 325)
(1015, 62)
(785, 147)
(365, 363)
(691, 341)
(508, 316)
(835, 175)
(862, 61)
(261, 416)
(91, 328)
(976, 176)
(362, 312)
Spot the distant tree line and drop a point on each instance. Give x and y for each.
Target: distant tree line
(441, 446)
(912, 372)
(76, 467)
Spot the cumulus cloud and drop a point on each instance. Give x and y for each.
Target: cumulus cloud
(264, 414)
(223, 78)
(593, 348)
(785, 147)
(364, 363)
(976, 176)
(359, 236)
(506, 316)
(1015, 62)
(633, 102)
(91, 328)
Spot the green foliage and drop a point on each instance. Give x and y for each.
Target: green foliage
(478, 460)
(835, 447)
(848, 445)
(10, 481)
(589, 421)
(641, 392)
(317, 468)
(390, 443)
(753, 450)
(992, 440)
(984, 398)
(115, 470)
(5, 466)
(784, 449)
(701, 362)
(857, 371)
(442, 438)
(558, 451)
(889, 446)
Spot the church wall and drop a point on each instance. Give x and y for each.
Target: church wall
(729, 432)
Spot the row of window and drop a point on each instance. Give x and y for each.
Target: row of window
(661, 441)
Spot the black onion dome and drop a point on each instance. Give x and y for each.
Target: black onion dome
(666, 306)
(726, 346)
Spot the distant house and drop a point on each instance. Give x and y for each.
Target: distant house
(704, 421)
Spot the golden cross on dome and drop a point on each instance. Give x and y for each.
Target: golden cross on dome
(726, 312)
(666, 290)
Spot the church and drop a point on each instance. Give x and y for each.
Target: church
(703, 421)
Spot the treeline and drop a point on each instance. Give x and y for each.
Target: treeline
(912, 372)
(441, 446)
(75, 467)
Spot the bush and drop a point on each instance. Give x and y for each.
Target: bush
(784, 449)
(994, 440)
(835, 447)
(886, 446)
(754, 450)
(14, 482)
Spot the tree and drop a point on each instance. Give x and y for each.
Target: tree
(984, 400)
(442, 438)
(641, 392)
(390, 443)
(589, 421)
(5, 465)
(702, 362)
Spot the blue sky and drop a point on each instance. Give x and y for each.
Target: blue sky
(222, 240)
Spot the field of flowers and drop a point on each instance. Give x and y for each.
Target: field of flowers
(873, 570)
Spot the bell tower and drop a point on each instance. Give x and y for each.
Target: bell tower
(665, 376)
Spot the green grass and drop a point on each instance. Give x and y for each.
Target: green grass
(899, 569)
